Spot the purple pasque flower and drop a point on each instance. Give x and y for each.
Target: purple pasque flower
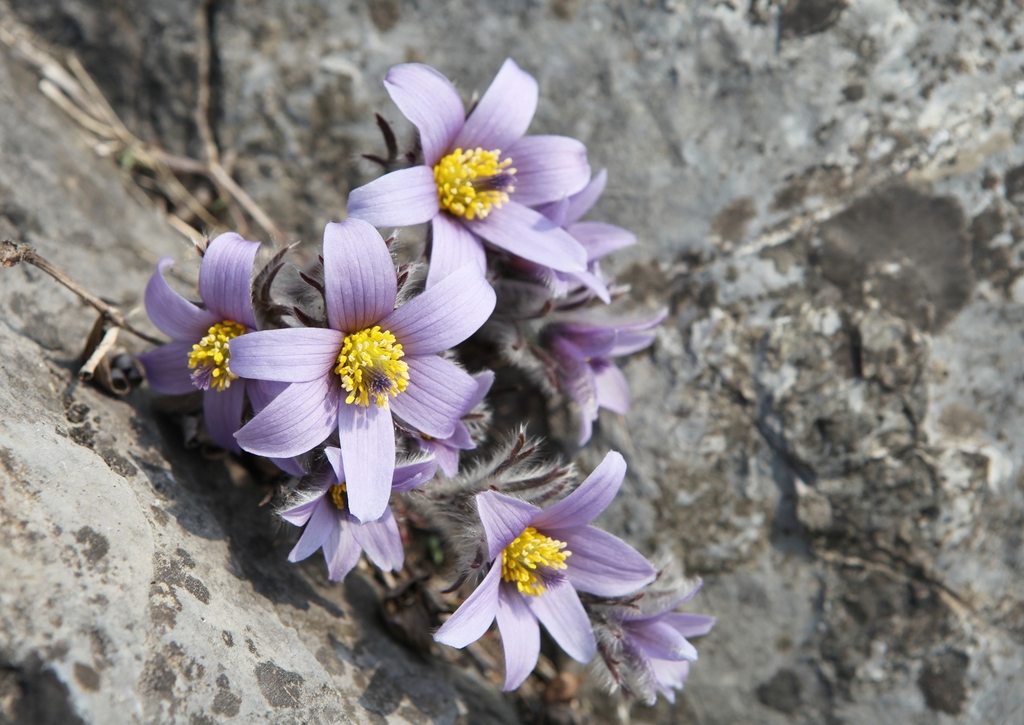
(373, 360)
(467, 187)
(598, 238)
(446, 450)
(331, 527)
(539, 558)
(202, 337)
(653, 643)
(582, 346)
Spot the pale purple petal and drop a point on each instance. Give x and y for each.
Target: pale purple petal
(484, 381)
(547, 168)
(341, 551)
(586, 427)
(368, 441)
(522, 231)
(689, 625)
(577, 379)
(222, 411)
(381, 541)
(587, 342)
(446, 456)
(569, 211)
(602, 564)
(296, 421)
(645, 322)
(670, 675)
(167, 368)
(589, 499)
(437, 394)
(592, 282)
(612, 388)
(408, 477)
(452, 247)
(581, 203)
(334, 457)
(563, 616)
(460, 437)
(430, 101)
(444, 315)
(291, 355)
(520, 636)
(504, 113)
(600, 239)
(399, 199)
(556, 211)
(225, 278)
(504, 519)
(660, 640)
(173, 315)
(299, 514)
(291, 466)
(359, 276)
(472, 619)
(629, 341)
(261, 392)
(322, 521)
(591, 321)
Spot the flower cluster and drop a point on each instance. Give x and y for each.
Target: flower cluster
(373, 385)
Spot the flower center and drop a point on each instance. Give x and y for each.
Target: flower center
(369, 365)
(469, 183)
(209, 357)
(339, 496)
(531, 549)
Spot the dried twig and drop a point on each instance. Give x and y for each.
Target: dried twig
(77, 94)
(13, 253)
(106, 344)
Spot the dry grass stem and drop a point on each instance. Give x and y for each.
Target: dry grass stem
(87, 370)
(69, 86)
(13, 253)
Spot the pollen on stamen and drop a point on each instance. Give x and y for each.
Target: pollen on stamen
(471, 183)
(370, 367)
(531, 549)
(339, 496)
(209, 357)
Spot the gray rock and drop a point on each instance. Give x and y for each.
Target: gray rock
(829, 197)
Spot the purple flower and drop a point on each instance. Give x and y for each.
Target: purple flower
(373, 360)
(467, 187)
(597, 238)
(202, 338)
(330, 526)
(446, 450)
(653, 642)
(540, 558)
(582, 346)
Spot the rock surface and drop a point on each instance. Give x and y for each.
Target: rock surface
(828, 195)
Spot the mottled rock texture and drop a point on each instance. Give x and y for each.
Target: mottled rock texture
(829, 195)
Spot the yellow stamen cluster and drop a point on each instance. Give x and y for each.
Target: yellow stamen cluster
(462, 177)
(520, 559)
(213, 352)
(369, 365)
(339, 496)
